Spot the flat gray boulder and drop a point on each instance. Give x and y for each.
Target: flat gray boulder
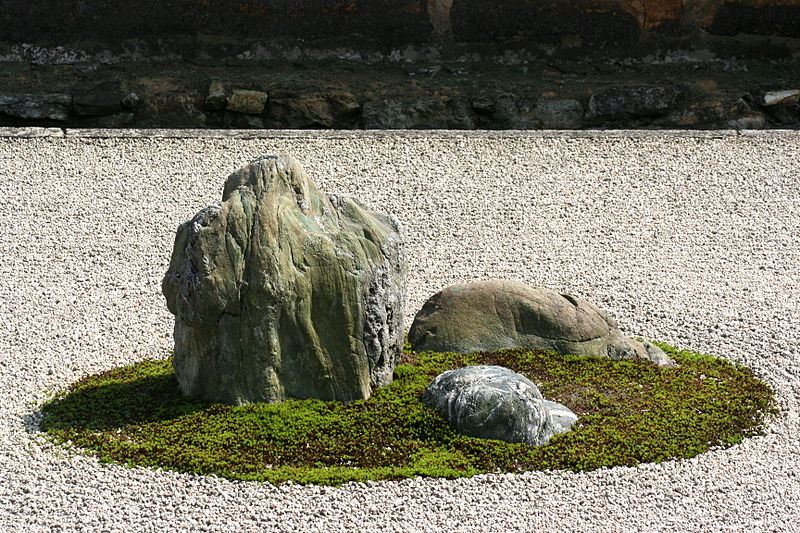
(493, 402)
(281, 291)
(494, 315)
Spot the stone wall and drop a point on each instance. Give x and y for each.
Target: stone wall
(622, 21)
(178, 28)
(379, 64)
(56, 21)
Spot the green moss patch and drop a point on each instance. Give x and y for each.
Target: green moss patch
(630, 412)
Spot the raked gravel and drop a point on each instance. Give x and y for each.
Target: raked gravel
(690, 238)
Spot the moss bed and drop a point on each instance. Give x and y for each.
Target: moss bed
(630, 412)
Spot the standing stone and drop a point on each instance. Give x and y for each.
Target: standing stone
(493, 402)
(493, 315)
(281, 291)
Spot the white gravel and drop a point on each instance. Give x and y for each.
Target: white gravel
(689, 238)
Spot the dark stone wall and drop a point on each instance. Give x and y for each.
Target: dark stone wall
(737, 17)
(390, 23)
(542, 21)
(53, 21)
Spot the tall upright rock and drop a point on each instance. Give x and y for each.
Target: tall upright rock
(281, 291)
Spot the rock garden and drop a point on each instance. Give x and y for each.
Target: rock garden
(291, 362)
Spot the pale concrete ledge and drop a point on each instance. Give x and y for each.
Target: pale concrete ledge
(772, 134)
(404, 134)
(30, 133)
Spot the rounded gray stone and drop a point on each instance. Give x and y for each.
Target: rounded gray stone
(493, 402)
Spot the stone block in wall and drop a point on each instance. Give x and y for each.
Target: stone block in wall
(247, 102)
(613, 103)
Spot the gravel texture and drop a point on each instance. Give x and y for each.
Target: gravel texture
(690, 238)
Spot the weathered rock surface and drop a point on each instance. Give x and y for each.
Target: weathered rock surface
(750, 121)
(784, 114)
(130, 101)
(416, 113)
(785, 97)
(98, 100)
(477, 94)
(322, 110)
(493, 315)
(216, 100)
(247, 102)
(282, 291)
(514, 113)
(559, 114)
(493, 402)
(32, 106)
(622, 102)
(319, 94)
(562, 416)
